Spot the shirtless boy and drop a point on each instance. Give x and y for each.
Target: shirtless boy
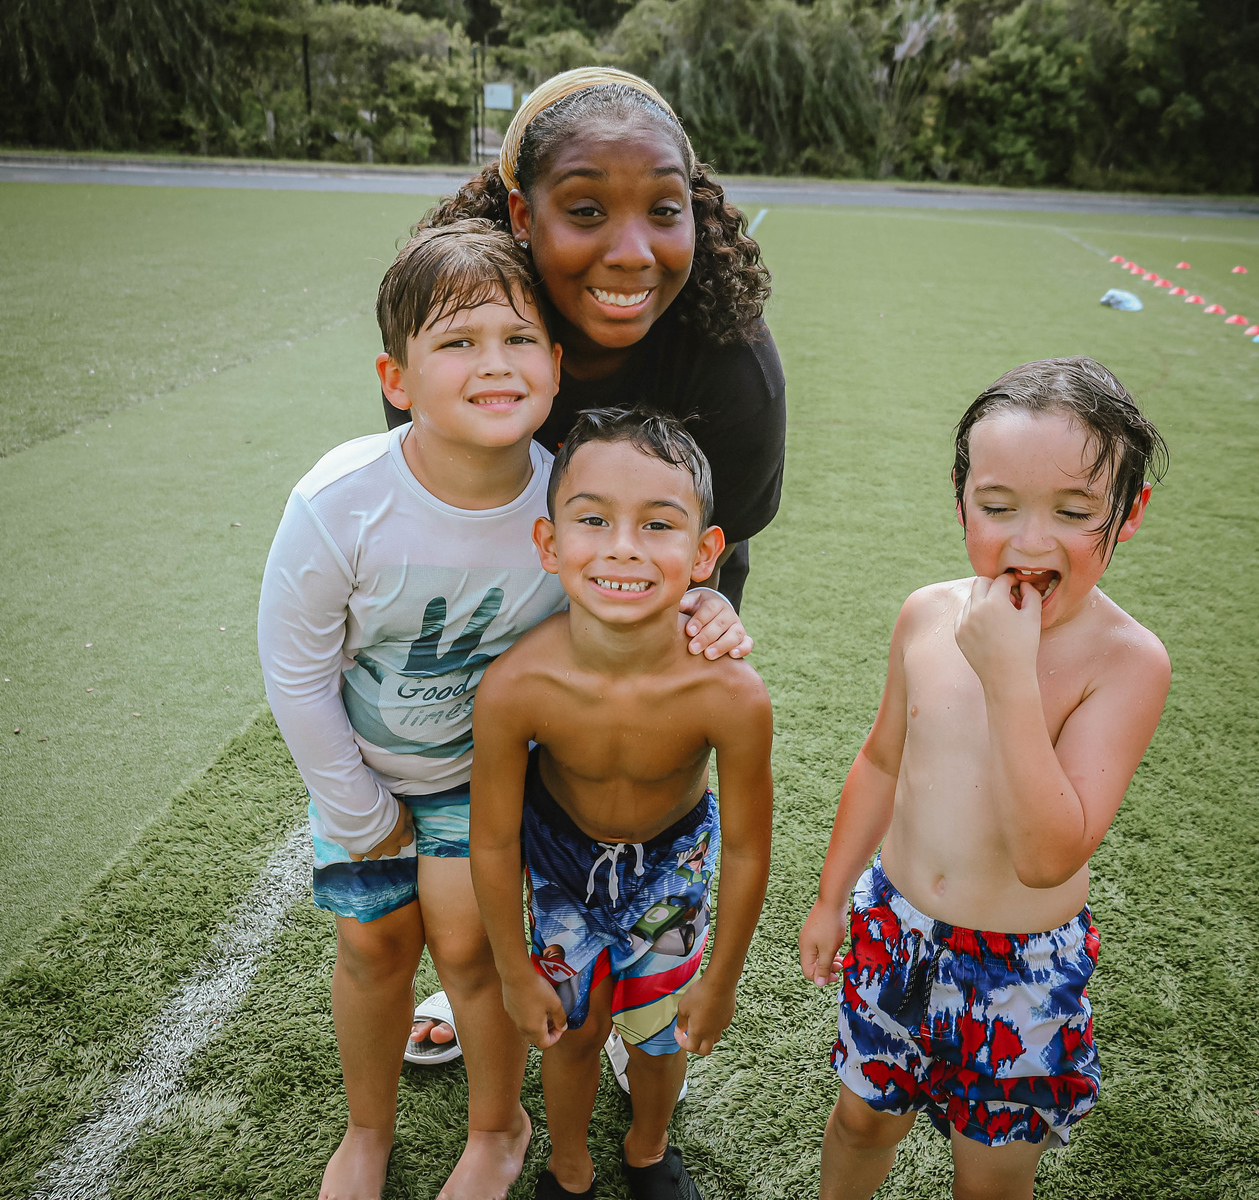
(620, 831)
(1018, 706)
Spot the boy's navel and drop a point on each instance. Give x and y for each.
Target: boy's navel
(913, 710)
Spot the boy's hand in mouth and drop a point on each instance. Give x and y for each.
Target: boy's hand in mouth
(1043, 581)
(1001, 645)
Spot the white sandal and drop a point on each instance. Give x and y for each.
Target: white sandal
(428, 1052)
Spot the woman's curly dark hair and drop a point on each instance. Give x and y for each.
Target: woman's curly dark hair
(724, 298)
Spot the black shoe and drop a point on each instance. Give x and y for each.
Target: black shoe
(548, 1188)
(665, 1180)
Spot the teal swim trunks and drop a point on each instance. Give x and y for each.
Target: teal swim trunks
(370, 889)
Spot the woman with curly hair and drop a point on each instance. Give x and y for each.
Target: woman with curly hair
(655, 290)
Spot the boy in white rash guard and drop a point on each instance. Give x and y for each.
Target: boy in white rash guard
(402, 567)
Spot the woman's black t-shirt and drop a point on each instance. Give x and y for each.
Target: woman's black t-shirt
(734, 396)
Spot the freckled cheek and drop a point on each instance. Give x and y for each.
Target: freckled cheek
(983, 549)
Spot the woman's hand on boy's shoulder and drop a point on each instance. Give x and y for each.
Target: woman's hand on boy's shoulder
(714, 627)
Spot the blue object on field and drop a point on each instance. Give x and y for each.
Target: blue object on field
(1123, 301)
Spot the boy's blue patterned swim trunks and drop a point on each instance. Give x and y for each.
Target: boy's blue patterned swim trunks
(989, 1033)
(371, 888)
(635, 911)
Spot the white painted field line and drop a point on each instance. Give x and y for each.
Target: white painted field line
(756, 220)
(86, 1161)
(1079, 241)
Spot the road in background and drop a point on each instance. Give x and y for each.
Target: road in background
(330, 177)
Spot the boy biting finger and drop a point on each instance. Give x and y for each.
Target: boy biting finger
(1017, 708)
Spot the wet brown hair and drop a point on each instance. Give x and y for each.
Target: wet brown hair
(1123, 442)
(725, 296)
(440, 271)
(655, 434)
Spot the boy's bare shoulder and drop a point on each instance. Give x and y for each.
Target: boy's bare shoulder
(932, 602)
(539, 647)
(732, 686)
(1129, 647)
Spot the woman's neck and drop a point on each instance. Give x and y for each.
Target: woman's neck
(585, 358)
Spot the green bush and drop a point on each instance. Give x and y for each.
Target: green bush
(1022, 103)
(1160, 94)
(104, 74)
(386, 84)
(229, 76)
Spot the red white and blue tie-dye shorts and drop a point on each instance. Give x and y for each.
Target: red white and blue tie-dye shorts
(990, 1034)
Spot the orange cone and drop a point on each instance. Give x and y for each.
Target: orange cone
(1237, 319)
(1239, 271)
(1215, 309)
(1194, 299)
(1182, 266)
(1178, 291)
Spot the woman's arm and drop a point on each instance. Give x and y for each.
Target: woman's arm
(742, 429)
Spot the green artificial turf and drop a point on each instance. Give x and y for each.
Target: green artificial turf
(116, 294)
(146, 529)
(888, 323)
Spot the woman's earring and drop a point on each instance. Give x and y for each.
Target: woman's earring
(523, 244)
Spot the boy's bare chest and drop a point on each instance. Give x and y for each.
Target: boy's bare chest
(641, 735)
(945, 699)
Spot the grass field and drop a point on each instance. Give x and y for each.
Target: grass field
(130, 842)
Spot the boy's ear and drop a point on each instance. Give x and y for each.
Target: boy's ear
(711, 543)
(1136, 514)
(557, 352)
(961, 517)
(391, 381)
(544, 539)
(518, 212)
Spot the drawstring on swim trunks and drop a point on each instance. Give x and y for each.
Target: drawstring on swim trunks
(611, 855)
(923, 970)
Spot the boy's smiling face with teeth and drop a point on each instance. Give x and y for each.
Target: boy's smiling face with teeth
(626, 541)
(479, 377)
(1032, 513)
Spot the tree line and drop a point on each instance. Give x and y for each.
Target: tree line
(1133, 94)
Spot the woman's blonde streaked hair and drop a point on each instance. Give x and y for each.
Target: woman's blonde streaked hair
(556, 88)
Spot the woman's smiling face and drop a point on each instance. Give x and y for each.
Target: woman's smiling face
(612, 232)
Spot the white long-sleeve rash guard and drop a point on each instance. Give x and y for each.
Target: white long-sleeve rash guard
(381, 608)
